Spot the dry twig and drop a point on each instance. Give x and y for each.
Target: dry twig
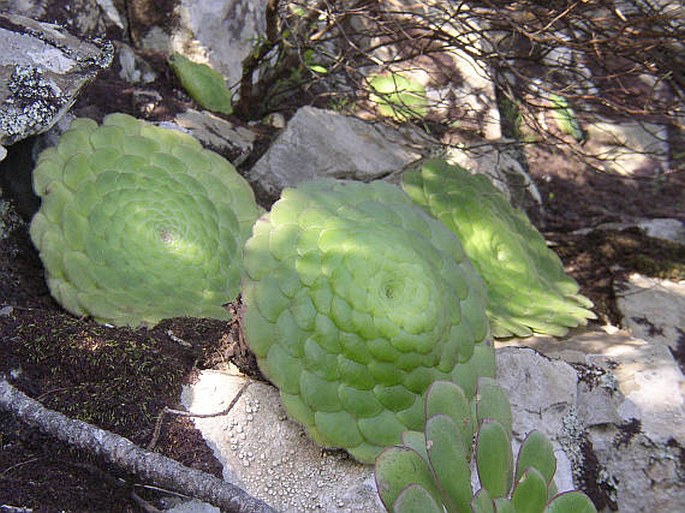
(121, 452)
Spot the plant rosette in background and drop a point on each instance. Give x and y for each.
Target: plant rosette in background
(528, 289)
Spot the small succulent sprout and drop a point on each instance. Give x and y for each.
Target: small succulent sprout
(203, 84)
(139, 223)
(355, 305)
(398, 96)
(528, 290)
(566, 118)
(437, 476)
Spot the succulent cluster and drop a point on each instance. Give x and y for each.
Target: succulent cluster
(430, 471)
(365, 311)
(356, 302)
(139, 223)
(528, 290)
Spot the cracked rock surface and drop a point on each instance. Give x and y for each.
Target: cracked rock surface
(42, 69)
(612, 404)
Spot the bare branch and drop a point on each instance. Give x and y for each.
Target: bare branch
(121, 452)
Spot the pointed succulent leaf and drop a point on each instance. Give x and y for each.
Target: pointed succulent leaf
(445, 397)
(552, 489)
(570, 502)
(399, 467)
(450, 462)
(416, 499)
(530, 492)
(355, 305)
(492, 403)
(494, 458)
(536, 452)
(139, 223)
(202, 83)
(482, 502)
(528, 290)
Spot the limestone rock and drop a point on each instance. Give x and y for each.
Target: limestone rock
(219, 32)
(42, 70)
(319, 143)
(193, 506)
(542, 393)
(654, 310)
(217, 134)
(271, 456)
(612, 405)
(664, 228)
(622, 426)
(631, 148)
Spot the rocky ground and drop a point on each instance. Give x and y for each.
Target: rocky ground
(122, 379)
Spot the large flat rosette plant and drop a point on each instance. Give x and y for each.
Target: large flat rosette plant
(528, 290)
(355, 305)
(139, 223)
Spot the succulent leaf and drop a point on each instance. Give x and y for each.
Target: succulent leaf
(449, 459)
(530, 493)
(570, 502)
(138, 223)
(528, 290)
(492, 403)
(494, 459)
(446, 398)
(504, 505)
(566, 117)
(536, 452)
(442, 455)
(398, 96)
(417, 441)
(482, 502)
(399, 467)
(416, 499)
(204, 85)
(355, 306)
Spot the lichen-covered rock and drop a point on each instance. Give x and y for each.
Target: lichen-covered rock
(528, 290)
(42, 70)
(139, 223)
(355, 305)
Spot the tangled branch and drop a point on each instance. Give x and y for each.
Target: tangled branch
(617, 59)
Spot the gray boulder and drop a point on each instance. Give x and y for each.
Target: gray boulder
(319, 143)
(42, 70)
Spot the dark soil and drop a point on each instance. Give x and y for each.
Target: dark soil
(116, 378)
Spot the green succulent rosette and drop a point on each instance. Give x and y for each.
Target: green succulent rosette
(528, 290)
(140, 223)
(355, 305)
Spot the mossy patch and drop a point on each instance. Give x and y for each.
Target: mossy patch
(602, 259)
(116, 378)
